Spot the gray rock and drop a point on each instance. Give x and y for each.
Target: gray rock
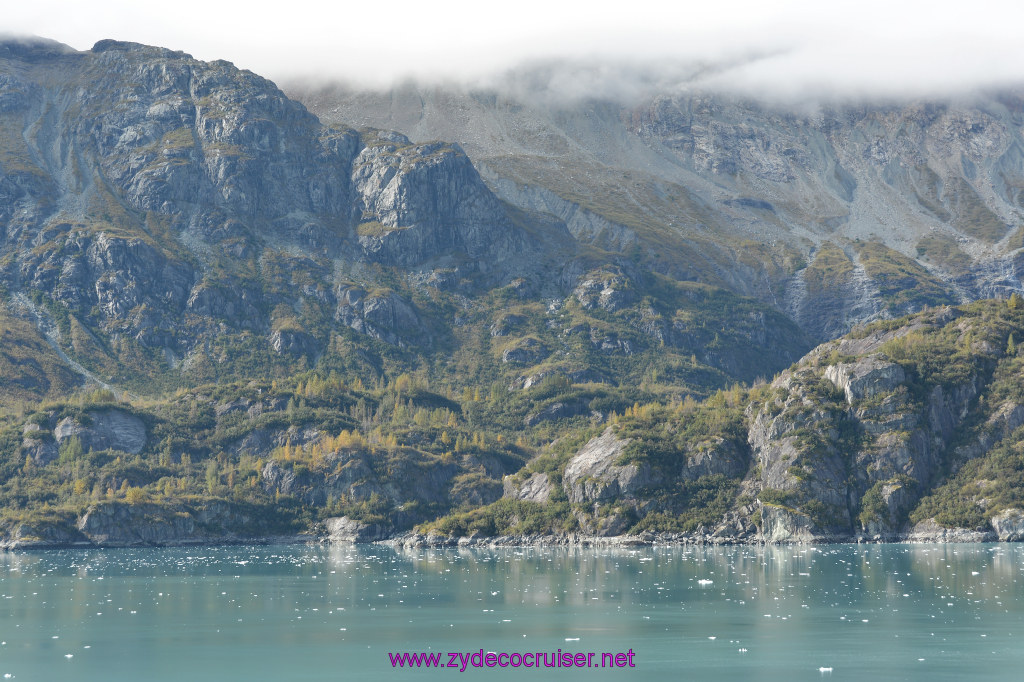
(240, 405)
(526, 351)
(609, 291)
(385, 316)
(41, 535)
(114, 429)
(867, 377)
(344, 529)
(929, 531)
(537, 488)
(711, 457)
(506, 324)
(1009, 525)
(592, 475)
(559, 410)
(38, 444)
(293, 342)
(785, 526)
(277, 479)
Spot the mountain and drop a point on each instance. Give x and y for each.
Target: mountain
(836, 213)
(226, 319)
(909, 429)
(167, 221)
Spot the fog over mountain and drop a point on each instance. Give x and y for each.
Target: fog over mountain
(796, 48)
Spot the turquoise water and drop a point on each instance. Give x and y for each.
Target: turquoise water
(900, 612)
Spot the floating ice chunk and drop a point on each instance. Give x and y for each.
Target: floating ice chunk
(705, 581)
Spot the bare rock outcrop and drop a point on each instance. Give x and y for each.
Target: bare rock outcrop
(537, 488)
(594, 475)
(114, 429)
(344, 529)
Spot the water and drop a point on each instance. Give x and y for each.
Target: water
(900, 612)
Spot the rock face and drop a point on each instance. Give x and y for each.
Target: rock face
(780, 525)
(711, 457)
(38, 444)
(593, 475)
(210, 167)
(847, 448)
(117, 524)
(421, 202)
(344, 529)
(296, 343)
(933, 183)
(113, 429)
(865, 378)
(930, 531)
(1009, 525)
(385, 316)
(558, 410)
(537, 488)
(609, 291)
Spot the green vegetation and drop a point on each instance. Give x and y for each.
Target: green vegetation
(829, 269)
(944, 251)
(929, 186)
(31, 371)
(373, 228)
(973, 217)
(902, 283)
(429, 447)
(980, 490)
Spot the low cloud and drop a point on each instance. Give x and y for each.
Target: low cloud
(785, 49)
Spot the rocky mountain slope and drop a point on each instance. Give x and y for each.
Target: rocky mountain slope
(168, 222)
(835, 213)
(908, 429)
(224, 319)
(905, 430)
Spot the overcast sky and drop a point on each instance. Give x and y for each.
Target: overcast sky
(886, 47)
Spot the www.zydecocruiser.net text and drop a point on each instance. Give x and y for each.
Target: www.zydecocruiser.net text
(462, 660)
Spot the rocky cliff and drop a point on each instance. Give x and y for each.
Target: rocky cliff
(147, 201)
(836, 212)
(144, 524)
(168, 222)
(899, 431)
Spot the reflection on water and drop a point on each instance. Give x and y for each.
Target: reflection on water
(914, 612)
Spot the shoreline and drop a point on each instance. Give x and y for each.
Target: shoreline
(412, 540)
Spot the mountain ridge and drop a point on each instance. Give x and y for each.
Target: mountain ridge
(226, 318)
(933, 182)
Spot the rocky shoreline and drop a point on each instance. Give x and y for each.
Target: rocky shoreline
(114, 525)
(413, 540)
(1006, 527)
